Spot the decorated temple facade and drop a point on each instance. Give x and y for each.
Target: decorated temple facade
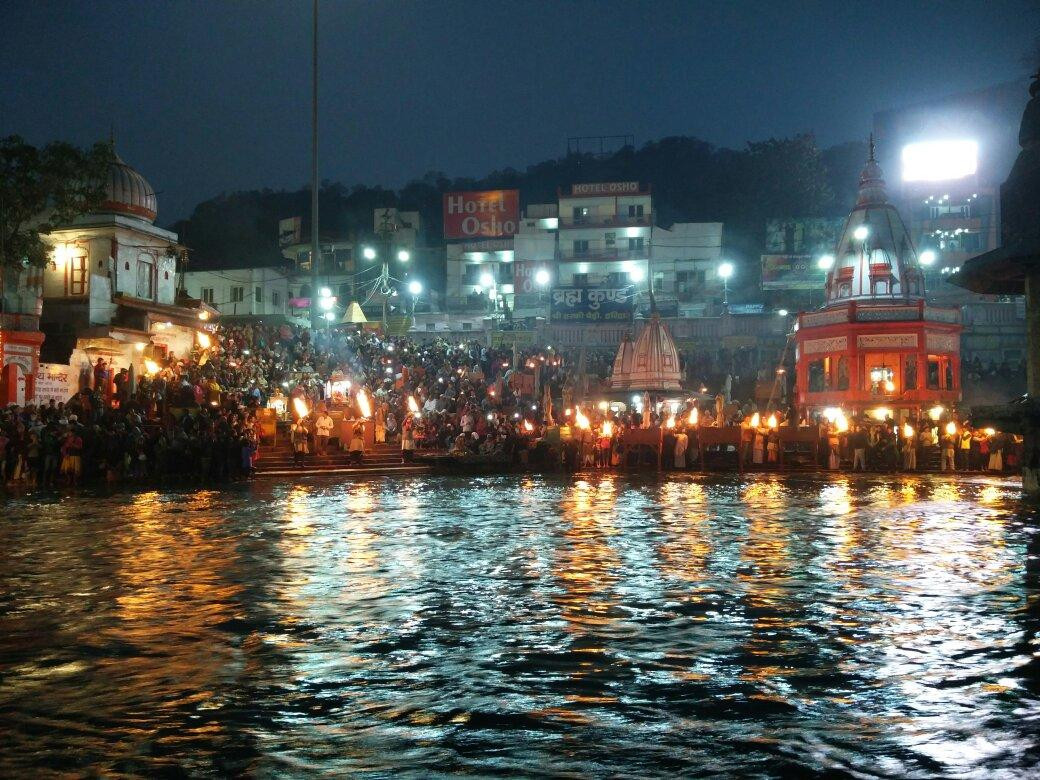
(109, 291)
(876, 343)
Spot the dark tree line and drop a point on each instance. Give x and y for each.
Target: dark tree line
(692, 180)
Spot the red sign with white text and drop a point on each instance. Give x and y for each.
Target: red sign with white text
(487, 214)
(525, 274)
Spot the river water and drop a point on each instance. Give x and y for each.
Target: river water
(606, 625)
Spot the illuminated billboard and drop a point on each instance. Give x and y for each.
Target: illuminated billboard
(488, 214)
(940, 160)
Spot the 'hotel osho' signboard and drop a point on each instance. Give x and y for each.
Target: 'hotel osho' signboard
(486, 214)
(590, 305)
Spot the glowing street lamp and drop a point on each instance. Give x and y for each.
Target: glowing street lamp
(369, 253)
(487, 280)
(725, 271)
(404, 255)
(927, 257)
(825, 263)
(861, 233)
(415, 287)
(782, 312)
(541, 277)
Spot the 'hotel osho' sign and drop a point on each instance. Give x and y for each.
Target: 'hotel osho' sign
(487, 214)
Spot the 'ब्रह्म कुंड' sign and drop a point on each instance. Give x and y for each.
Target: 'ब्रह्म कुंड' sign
(485, 214)
(583, 305)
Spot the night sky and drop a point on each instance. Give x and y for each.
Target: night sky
(215, 96)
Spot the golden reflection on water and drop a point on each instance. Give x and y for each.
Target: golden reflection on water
(684, 545)
(889, 609)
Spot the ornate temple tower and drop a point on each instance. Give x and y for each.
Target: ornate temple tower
(875, 342)
(651, 364)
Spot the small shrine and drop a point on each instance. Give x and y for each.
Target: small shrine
(875, 343)
(650, 364)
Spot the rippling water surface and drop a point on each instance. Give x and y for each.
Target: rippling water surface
(511, 625)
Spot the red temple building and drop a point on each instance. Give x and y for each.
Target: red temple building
(875, 342)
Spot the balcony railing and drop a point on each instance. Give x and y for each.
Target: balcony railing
(601, 255)
(607, 220)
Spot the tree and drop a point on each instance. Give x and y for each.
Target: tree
(41, 189)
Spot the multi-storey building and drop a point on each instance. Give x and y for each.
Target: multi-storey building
(598, 235)
(241, 292)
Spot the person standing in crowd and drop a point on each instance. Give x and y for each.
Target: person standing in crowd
(964, 449)
(357, 442)
(323, 429)
(996, 453)
(407, 440)
(72, 456)
(910, 453)
(298, 439)
(948, 444)
(858, 443)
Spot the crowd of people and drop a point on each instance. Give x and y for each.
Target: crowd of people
(197, 416)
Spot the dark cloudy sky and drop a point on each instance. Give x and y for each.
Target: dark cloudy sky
(214, 95)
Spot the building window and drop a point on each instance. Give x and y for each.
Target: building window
(581, 246)
(635, 211)
(635, 243)
(207, 294)
(580, 280)
(145, 275)
(658, 281)
(617, 279)
(910, 372)
(305, 291)
(276, 299)
(237, 294)
(76, 275)
(467, 326)
(430, 325)
(471, 273)
(610, 239)
(818, 376)
(581, 214)
(933, 373)
(258, 294)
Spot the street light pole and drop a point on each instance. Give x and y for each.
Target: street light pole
(315, 249)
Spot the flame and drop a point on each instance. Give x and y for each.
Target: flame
(908, 431)
(528, 427)
(581, 420)
(363, 404)
(670, 422)
(413, 405)
(204, 341)
(882, 413)
(756, 420)
(772, 422)
(151, 367)
(608, 429)
(693, 416)
(951, 427)
(300, 407)
(989, 431)
(890, 386)
(935, 412)
(841, 423)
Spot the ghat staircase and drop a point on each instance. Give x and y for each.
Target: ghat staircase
(385, 459)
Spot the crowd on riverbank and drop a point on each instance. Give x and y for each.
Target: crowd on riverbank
(197, 417)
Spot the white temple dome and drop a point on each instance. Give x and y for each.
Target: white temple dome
(875, 259)
(128, 192)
